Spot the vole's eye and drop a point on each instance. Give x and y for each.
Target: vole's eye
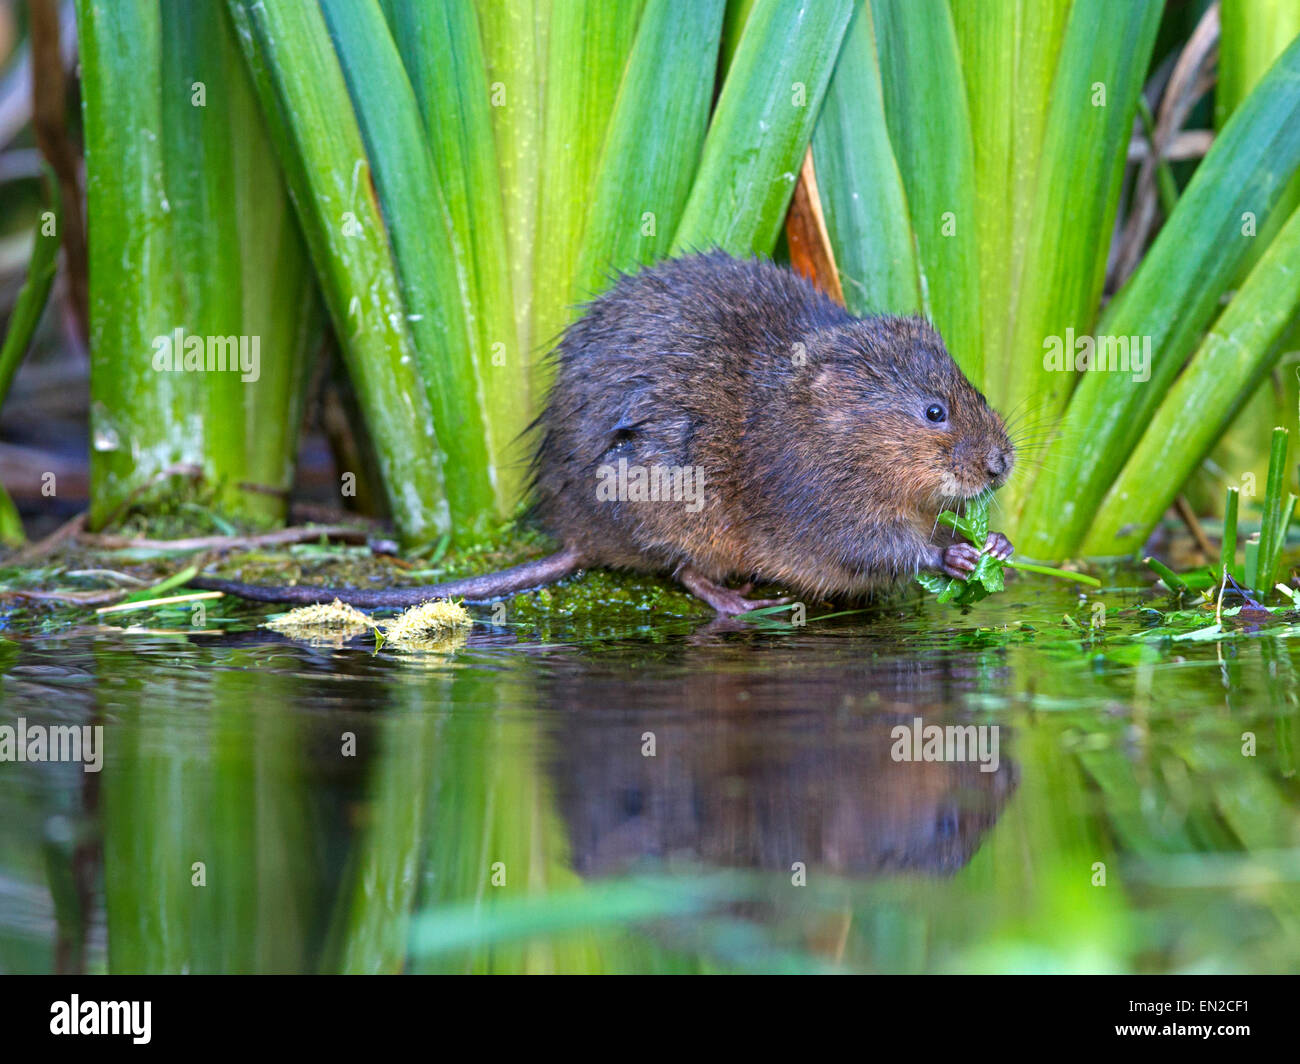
(936, 413)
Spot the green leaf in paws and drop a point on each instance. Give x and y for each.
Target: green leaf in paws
(987, 576)
(988, 572)
(936, 583)
(973, 524)
(984, 579)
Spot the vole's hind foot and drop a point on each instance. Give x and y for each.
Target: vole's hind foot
(725, 600)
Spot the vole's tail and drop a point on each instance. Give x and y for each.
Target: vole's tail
(485, 588)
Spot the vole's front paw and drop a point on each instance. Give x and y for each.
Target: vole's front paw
(960, 559)
(998, 545)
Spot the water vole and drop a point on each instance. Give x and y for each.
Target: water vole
(720, 419)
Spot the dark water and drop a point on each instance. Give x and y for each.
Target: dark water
(658, 796)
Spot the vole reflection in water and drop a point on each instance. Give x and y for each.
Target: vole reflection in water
(761, 771)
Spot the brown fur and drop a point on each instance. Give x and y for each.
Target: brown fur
(822, 472)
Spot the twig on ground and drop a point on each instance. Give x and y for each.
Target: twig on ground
(1194, 527)
(280, 537)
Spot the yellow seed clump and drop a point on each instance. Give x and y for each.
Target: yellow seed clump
(334, 622)
(428, 625)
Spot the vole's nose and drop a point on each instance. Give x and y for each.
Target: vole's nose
(998, 463)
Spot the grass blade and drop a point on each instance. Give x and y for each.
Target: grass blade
(35, 292)
(514, 39)
(134, 422)
(871, 233)
(442, 51)
(734, 28)
(774, 87)
(1047, 570)
(588, 44)
(1228, 546)
(281, 304)
(199, 165)
(431, 267)
(1250, 568)
(304, 97)
(1172, 580)
(1010, 51)
(1278, 507)
(929, 127)
(178, 164)
(1253, 34)
(1268, 577)
(654, 141)
(221, 179)
(23, 319)
(1104, 55)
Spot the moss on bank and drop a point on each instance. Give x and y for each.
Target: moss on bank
(606, 598)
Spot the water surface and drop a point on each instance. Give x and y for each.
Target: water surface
(657, 794)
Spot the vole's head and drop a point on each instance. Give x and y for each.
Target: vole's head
(904, 411)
